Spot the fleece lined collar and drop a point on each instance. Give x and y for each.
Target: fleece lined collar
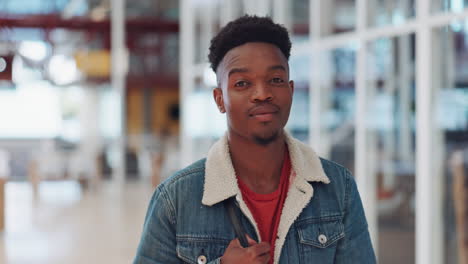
(220, 177)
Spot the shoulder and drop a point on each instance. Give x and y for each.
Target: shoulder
(341, 183)
(335, 172)
(195, 171)
(184, 185)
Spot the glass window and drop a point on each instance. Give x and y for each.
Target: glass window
(300, 19)
(205, 124)
(338, 109)
(337, 16)
(298, 123)
(448, 5)
(200, 43)
(450, 136)
(27, 7)
(390, 12)
(30, 111)
(390, 126)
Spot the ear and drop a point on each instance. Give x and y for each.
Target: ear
(218, 97)
(291, 85)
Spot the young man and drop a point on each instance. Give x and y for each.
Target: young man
(294, 206)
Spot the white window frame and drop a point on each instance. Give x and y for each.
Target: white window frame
(429, 249)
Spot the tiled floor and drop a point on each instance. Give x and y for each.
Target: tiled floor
(67, 226)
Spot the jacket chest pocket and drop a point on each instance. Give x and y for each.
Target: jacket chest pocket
(200, 250)
(318, 239)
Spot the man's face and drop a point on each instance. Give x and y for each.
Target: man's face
(255, 91)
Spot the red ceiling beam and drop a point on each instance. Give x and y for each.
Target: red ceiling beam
(159, 81)
(52, 21)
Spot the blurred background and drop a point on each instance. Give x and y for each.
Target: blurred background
(100, 100)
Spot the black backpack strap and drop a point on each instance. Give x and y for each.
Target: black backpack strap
(230, 205)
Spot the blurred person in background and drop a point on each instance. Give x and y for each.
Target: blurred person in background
(290, 206)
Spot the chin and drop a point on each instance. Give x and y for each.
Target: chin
(266, 138)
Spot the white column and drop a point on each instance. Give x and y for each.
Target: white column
(257, 7)
(324, 68)
(440, 79)
(206, 15)
(327, 11)
(90, 145)
(263, 7)
(227, 13)
(389, 140)
(249, 6)
(327, 86)
(364, 176)
(282, 13)
(404, 82)
(118, 78)
(425, 180)
(321, 83)
(186, 66)
(315, 104)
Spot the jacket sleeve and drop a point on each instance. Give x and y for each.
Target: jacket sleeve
(158, 239)
(356, 246)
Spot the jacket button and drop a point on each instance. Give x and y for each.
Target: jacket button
(322, 239)
(201, 259)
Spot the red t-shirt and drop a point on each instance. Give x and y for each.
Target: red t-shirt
(266, 208)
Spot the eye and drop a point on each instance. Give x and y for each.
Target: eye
(277, 80)
(241, 84)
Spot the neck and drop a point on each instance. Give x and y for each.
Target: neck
(258, 166)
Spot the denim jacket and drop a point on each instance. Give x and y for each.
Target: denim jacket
(322, 220)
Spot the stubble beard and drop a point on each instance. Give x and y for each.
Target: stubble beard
(266, 139)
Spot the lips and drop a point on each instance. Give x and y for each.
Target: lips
(264, 113)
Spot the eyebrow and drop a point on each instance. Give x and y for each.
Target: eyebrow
(276, 67)
(237, 70)
(243, 70)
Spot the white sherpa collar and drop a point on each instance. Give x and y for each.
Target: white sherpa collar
(220, 177)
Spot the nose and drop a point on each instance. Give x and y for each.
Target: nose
(261, 93)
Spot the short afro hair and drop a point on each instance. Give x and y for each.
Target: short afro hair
(248, 29)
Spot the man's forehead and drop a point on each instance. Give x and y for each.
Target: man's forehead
(230, 60)
(241, 57)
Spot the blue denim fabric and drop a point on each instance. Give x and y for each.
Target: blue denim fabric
(178, 228)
